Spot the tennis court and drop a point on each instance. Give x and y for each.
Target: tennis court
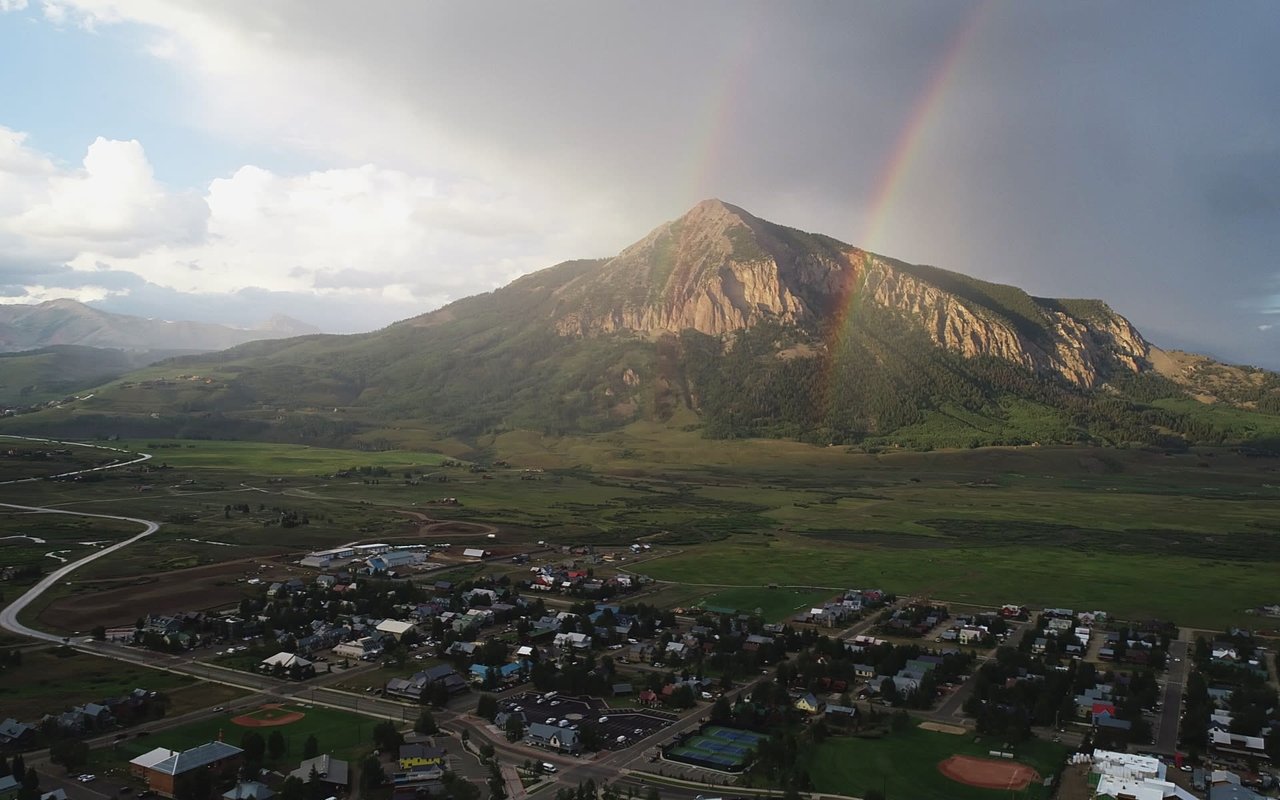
(717, 747)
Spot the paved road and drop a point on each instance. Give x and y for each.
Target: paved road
(9, 615)
(1175, 680)
(141, 457)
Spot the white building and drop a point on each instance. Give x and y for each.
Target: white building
(395, 628)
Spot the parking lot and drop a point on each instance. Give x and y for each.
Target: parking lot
(618, 728)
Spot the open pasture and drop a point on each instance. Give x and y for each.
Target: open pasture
(262, 458)
(1112, 529)
(1200, 592)
(33, 458)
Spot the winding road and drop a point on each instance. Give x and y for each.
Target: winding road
(9, 614)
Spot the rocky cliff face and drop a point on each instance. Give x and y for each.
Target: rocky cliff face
(718, 269)
(1082, 352)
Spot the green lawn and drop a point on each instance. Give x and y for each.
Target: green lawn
(775, 605)
(1205, 593)
(905, 765)
(340, 733)
(50, 680)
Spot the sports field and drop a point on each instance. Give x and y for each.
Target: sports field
(339, 733)
(774, 605)
(717, 747)
(907, 764)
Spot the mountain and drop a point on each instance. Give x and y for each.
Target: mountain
(67, 322)
(718, 270)
(723, 322)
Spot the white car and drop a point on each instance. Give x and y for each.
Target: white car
(87, 777)
(603, 720)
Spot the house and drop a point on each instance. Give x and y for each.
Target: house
(217, 758)
(412, 687)
(366, 648)
(292, 664)
(621, 689)
(577, 641)
(473, 552)
(905, 685)
(1235, 744)
(14, 734)
(420, 754)
(865, 671)
(648, 698)
(332, 772)
(565, 740)
(970, 635)
(249, 790)
(809, 704)
(395, 628)
(9, 786)
(393, 560)
(56, 794)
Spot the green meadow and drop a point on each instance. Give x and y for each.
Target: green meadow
(1187, 536)
(261, 458)
(1199, 592)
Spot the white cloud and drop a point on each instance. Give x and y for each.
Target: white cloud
(367, 232)
(1266, 326)
(113, 205)
(12, 5)
(39, 294)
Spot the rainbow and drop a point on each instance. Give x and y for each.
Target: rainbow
(906, 147)
(892, 177)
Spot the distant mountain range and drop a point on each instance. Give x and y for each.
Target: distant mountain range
(68, 322)
(61, 346)
(729, 323)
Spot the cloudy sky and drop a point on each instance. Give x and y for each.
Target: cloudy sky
(351, 164)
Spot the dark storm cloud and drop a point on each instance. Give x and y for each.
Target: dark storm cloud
(1123, 151)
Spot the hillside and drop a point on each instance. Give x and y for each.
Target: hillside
(51, 373)
(721, 321)
(67, 322)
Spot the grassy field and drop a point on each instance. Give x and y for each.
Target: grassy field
(22, 458)
(1112, 529)
(775, 605)
(259, 458)
(50, 680)
(905, 765)
(1208, 593)
(342, 734)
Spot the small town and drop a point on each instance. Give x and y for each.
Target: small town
(365, 673)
